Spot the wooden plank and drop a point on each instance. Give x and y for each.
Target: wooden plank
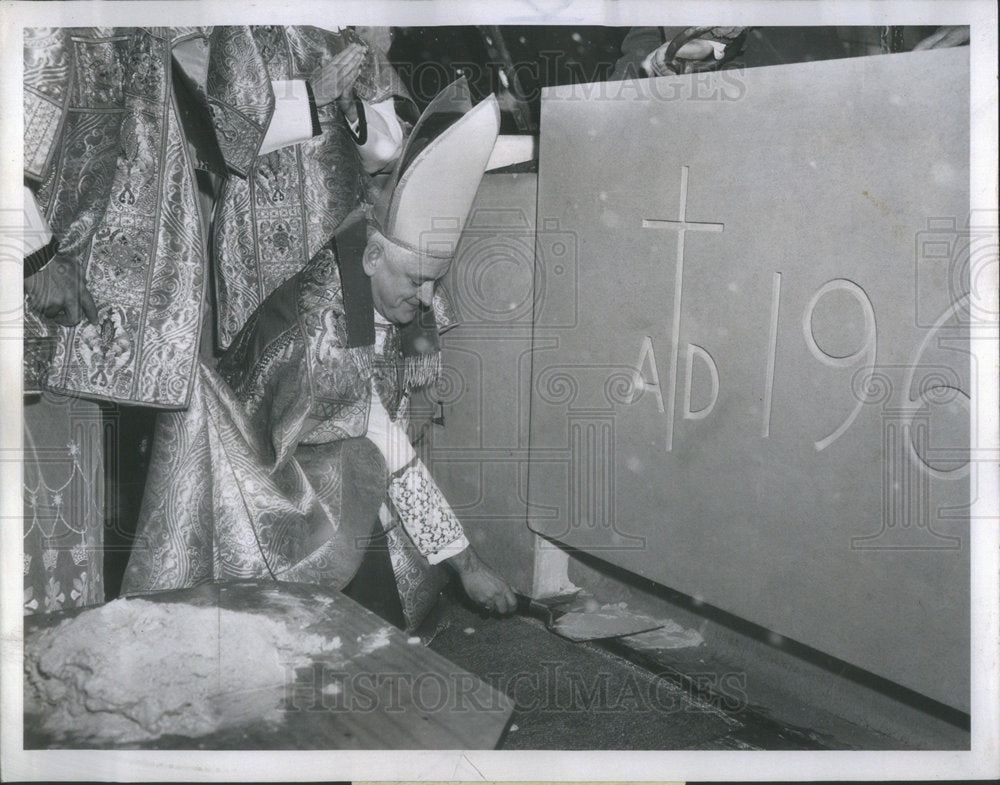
(757, 393)
(394, 696)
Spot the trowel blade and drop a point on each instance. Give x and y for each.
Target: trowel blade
(604, 623)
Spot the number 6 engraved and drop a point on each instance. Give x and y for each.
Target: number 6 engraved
(868, 349)
(926, 397)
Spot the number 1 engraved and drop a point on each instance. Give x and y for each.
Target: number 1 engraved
(771, 353)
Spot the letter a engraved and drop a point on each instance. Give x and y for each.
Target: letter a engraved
(652, 384)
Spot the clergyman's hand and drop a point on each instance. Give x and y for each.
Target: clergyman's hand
(335, 80)
(483, 586)
(710, 47)
(944, 37)
(59, 292)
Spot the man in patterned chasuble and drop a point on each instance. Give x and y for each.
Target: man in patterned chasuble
(139, 144)
(293, 456)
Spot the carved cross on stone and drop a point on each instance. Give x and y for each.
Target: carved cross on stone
(681, 226)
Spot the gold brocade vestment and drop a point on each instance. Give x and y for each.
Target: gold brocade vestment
(106, 152)
(280, 480)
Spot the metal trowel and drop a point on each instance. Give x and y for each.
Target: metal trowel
(567, 615)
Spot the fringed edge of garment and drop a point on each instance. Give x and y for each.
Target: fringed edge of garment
(363, 358)
(422, 369)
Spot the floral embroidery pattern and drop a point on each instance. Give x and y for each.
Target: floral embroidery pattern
(423, 510)
(30, 603)
(79, 586)
(63, 516)
(54, 596)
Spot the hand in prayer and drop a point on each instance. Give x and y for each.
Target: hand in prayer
(335, 80)
(59, 292)
(943, 37)
(483, 586)
(708, 48)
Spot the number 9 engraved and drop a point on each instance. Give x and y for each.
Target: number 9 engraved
(868, 348)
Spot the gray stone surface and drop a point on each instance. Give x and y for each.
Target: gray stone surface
(769, 409)
(479, 456)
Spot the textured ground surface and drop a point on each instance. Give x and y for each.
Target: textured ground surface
(581, 696)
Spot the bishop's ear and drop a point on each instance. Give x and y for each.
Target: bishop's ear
(373, 256)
